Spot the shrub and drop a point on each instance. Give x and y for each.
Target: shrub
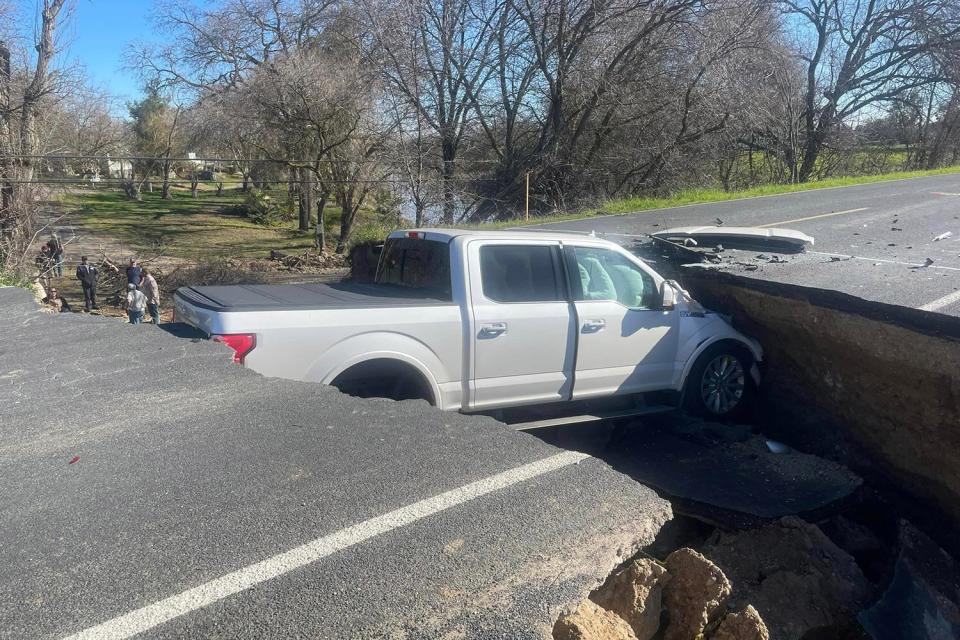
(373, 232)
(263, 208)
(10, 278)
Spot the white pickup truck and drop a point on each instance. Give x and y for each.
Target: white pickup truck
(475, 321)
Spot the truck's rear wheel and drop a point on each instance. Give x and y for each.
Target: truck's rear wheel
(384, 378)
(719, 384)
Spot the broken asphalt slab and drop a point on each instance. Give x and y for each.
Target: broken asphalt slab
(151, 485)
(726, 474)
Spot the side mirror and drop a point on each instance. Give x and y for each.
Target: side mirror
(668, 296)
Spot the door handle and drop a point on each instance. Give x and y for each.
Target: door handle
(594, 326)
(493, 329)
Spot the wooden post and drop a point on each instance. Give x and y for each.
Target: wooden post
(526, 203)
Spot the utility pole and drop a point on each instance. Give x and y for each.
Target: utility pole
(526, 203)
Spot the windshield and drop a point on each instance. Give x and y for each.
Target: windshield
(418, 264)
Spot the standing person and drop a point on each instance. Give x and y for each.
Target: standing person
(87, 274)
(56, 247)
(134, 273)
(152, 292)
(44, 263)
(136, 304)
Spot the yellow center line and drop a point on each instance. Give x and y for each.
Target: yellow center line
(822, 215)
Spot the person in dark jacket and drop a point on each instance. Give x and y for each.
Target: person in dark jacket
(87, 274)
(134, 273)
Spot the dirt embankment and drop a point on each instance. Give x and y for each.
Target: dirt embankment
(875, 385)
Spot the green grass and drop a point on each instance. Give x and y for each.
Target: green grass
(184, 226)
(701, 196)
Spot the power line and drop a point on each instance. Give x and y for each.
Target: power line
(156, 160)
(179, 181)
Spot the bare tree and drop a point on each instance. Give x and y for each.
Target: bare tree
(213, 48)
(863, 53)
(20, 107)
(322, 109)
(434, 53)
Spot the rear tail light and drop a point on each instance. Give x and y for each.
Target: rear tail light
(416, 235)
(241, 343)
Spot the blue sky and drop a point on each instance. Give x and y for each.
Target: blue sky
(99, 33)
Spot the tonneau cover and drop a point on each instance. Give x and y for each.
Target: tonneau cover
(282, 297)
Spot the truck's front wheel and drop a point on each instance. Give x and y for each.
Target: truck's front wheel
(719, 384)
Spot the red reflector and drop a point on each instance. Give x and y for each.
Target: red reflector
(241, 343)
(418, 235)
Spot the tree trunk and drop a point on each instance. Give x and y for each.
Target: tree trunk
(449, 154)
(165, 190)
(219, 189)
(347, 213)
(419, 209)
(246, 181)
(320, 238)
(306, 199)
(6, 166)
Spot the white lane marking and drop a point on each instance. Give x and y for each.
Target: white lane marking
(884, 260)
(940, 303)
(816, 217)
(140, 620)
(943, 193)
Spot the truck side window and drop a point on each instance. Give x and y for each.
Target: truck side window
(607, 275)
(519, 273)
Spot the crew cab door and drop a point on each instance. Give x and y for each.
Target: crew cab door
(626, 342)
(523, 335)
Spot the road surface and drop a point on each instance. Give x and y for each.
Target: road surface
(151, 487)
(883, 234)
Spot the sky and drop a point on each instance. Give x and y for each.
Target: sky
(98, 35)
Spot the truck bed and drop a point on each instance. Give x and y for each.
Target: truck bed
(289, 297)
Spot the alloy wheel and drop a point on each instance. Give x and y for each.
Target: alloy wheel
(722, 384)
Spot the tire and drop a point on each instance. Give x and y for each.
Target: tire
(719, 385)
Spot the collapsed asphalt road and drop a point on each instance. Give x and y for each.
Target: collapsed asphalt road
(872, 240)
(153, 488)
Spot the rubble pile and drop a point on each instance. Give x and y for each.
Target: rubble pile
(684, 598)
(794, 575)
(786, 580)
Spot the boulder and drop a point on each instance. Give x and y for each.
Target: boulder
(798, 580)
(590, 621)
(635, 594)
(746, 625)
(695, 595)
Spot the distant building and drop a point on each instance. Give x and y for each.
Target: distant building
(119, 168)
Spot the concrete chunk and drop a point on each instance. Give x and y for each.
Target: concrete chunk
(635, 595)
(589, 621)
(695, 596)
